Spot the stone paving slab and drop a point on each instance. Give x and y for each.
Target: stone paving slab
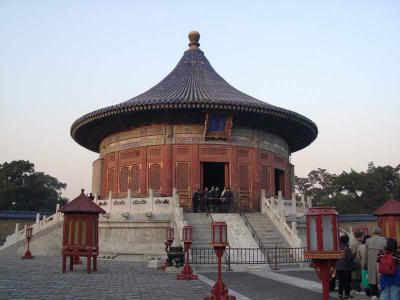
(41, 278)
(258, 288)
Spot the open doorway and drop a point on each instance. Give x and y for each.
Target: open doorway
(279, 182)
(214, 174)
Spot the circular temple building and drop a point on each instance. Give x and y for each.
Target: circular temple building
(190, 131)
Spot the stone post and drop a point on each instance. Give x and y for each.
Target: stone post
(37, 223)
(57, 213)
(129, 199)
(110, 195)
(294, 206)
(262, 201)
(176, 198)
(281, 204)
(309, 202)
(151, 193)
(17, 231)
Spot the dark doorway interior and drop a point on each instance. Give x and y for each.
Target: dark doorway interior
(279, 182)
(213, 174)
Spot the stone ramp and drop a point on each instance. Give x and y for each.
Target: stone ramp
(45, 242)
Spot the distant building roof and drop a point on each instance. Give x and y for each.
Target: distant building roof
(82, 204)
(192, 86)
(391, 207)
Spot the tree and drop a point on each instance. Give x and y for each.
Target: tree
(352, 192)
(21, 188)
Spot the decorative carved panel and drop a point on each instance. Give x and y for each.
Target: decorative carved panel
(243, 153)
(213, 151)
(155, 176)
(182, 151)
(112, 157)
(129, 179)
(264, 156)
(130, 155)
(155, 152)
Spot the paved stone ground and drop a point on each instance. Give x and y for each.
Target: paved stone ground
(41, 278)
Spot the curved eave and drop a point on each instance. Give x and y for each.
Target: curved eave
(91, 129)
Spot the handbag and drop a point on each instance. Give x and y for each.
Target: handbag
(364, 278)
(354, 266)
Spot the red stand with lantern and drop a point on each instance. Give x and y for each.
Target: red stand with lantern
(80, 231)
(219, 240)
(28, 234)
(323, 243)
(170, 239)
(187, 272)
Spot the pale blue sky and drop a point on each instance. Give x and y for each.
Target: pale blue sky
(337, 63)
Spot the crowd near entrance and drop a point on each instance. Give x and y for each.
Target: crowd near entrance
(214, 194)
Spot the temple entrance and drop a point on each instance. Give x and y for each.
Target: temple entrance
(279, 182)
(214, 174)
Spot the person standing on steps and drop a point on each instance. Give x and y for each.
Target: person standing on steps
(356, 275)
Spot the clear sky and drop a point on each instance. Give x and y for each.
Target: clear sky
(336, 62)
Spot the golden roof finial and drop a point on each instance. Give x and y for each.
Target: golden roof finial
(194, 37)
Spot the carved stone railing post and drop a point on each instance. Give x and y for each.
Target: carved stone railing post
(151, 193)
(129, 198)
(309, 202)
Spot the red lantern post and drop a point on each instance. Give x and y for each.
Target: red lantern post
(219, 240)
(187, 272)
(170, 236)
(28, 234)
(323, 243)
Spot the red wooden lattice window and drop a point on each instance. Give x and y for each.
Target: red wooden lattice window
(182, 175)
(123, 179)
(155, 176)
(244, 176)
(129, 179)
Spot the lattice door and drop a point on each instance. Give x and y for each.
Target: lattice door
(134, 180)
(123, 179)
(110, 180)
(182, 179)
(244, 186)
(265, 184)
(155, 176)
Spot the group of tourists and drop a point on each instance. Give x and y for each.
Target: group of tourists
(212, 200)
(369, 262)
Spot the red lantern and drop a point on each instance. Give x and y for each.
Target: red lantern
(28, 235)
(187, 238)
(323, 243)
(170, 234)
(219, 240)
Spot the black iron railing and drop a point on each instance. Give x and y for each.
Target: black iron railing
(274, 256)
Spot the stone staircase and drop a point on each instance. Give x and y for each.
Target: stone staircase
(201, 229)
(267, 232)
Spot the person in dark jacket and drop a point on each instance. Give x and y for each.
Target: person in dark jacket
(390, 284)
(196, 200)
(343, 273)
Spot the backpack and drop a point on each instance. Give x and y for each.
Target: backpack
(387, 265)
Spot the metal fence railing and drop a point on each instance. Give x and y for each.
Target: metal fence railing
(272, 256)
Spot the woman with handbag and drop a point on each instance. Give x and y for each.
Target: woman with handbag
(343, 270)
(362, 257)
